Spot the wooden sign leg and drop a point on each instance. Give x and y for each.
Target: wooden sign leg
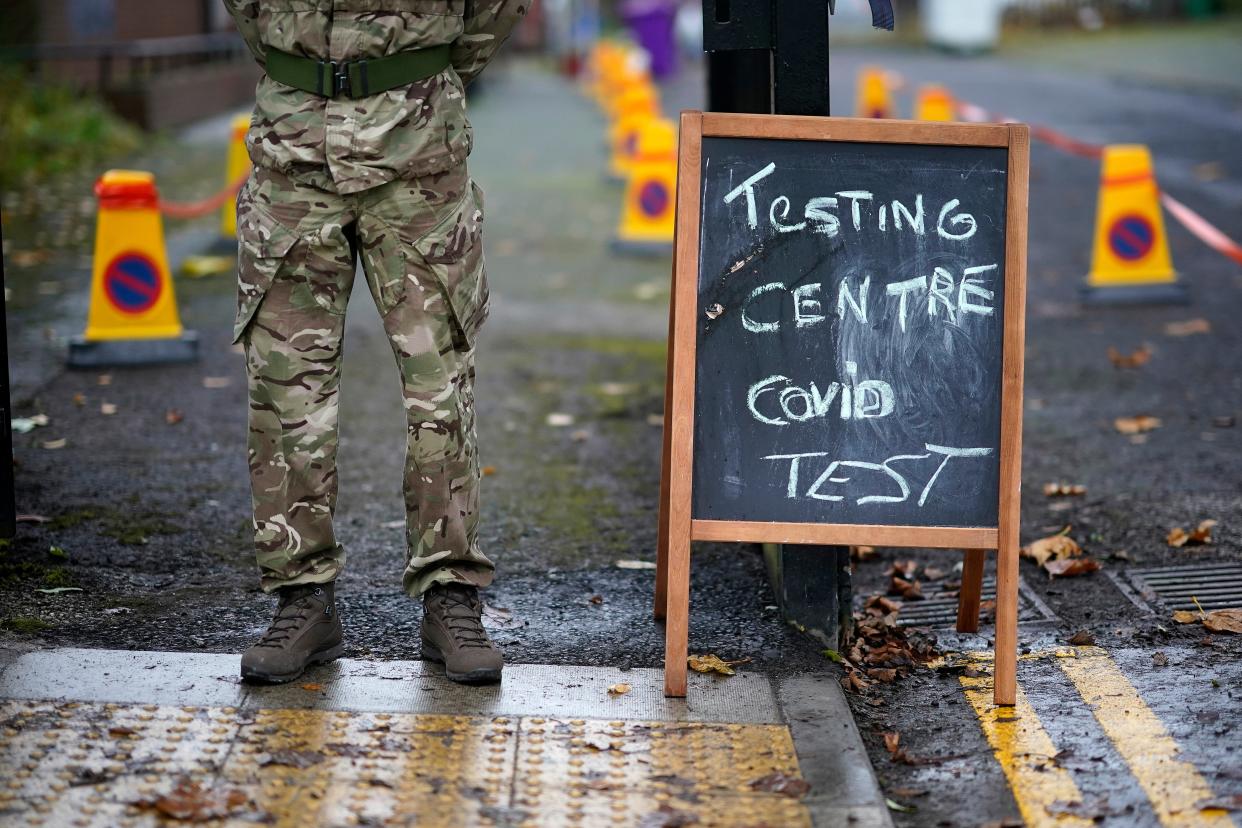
(972, 588)
(677, 620)
(1005, 677)
(661, 584)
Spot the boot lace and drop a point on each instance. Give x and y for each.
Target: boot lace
(460, 609)
(291, 614)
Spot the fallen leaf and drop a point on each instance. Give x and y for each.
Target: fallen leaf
(1186, 617)
(24, 425)
(103, 379)
(56, 444)
(1159, 660)
(1064, 489)
(619, 689)
(173, 416)
(892, 742)
(909, 590)
(217, 382)
(1071, 567)
(559, 420)
(500, 618)
(1201, 535)
(1188, 327)
(629, 564)
(1052, 548)
(1224, 620)
(119, 731)
(312, 687)
(1134, 359)
(1136, 425)
(596, 599)
(779, 783)
(714, 664)
(862, 553)
(932, 573)
(833, 655)
(1082, 638)
(191, 802)
(107, 409)
(79, 399)
(902, 569)
(488, 471)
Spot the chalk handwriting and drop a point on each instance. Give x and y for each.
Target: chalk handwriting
(882, 482)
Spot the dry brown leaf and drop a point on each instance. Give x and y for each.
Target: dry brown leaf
(488, 471)
(1188, 327)
(1071, 567)
(619, 689)
(1224, 620)
(79, 399)
(1159, 660)
(713, 664)
(1052, 548)
(596, 599)
(1186, 617)
(909, 590)
(312, 687)
(1137, 425)
(862, 553)
(1134, 359)
(892, 742)
(173, 416)
(193, 803)
(1201, 535)
(1082, 638)
(1064, 490)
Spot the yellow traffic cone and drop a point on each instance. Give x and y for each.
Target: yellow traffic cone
(637, 106)
(1130, 260)
(649, 210)
(933, 103)
(133, 312)
(874, 98)
(236, 165)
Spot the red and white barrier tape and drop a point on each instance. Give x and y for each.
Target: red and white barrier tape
(194, 209)
(1198, 226)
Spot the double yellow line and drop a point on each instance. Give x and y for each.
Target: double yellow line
(1043, 789)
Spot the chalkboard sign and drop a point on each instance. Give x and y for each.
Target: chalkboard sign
(845, 342)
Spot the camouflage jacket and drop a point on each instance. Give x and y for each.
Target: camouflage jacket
(402, 133)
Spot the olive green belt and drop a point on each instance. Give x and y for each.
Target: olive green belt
(356, 78)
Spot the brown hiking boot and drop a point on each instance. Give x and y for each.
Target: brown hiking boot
(453, 635)
(306, 630)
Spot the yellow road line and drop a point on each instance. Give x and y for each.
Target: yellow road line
(1025, 753)
(1172, 784)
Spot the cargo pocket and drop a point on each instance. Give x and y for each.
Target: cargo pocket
(452, 253)
(262, 247)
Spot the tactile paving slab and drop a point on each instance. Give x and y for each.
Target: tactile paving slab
(107, 764)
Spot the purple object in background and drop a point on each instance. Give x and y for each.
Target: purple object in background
(651, 21)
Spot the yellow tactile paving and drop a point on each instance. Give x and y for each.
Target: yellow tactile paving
(1171, 783)
(1025, 752)
(89, 765)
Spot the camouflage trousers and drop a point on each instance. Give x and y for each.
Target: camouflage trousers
(421, 249)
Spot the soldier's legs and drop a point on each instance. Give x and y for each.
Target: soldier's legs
(422, 252)
(297, 268)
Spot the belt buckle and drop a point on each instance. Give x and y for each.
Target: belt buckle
(340, 77)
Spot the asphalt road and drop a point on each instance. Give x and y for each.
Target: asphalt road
(152, 517)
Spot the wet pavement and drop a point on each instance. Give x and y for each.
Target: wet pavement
(150, 517)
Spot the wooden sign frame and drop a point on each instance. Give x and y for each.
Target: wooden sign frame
(677, 526)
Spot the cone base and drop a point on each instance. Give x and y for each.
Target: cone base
(650, 249)
(1168, 293)
(84, 353)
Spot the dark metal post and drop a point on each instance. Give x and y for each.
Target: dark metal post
(8, 506)
(771, 56)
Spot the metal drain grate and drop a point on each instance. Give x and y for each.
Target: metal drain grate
(939, 609)
(1215, 586)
